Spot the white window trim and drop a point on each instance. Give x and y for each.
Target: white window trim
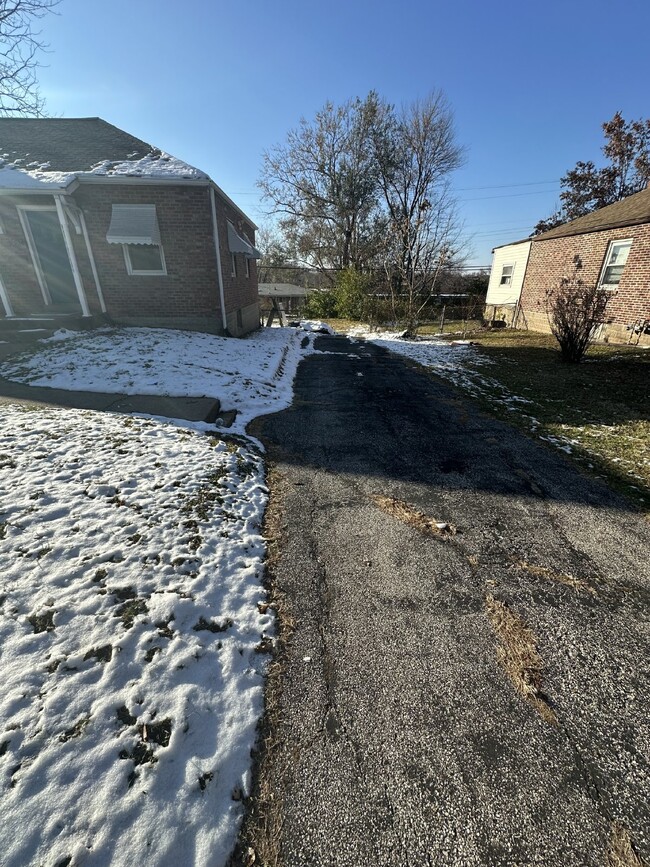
(233, 265)
(512, 273)
(130, 270)
(612, 287)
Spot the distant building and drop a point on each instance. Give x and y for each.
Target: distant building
(291, 297)
(610, 247)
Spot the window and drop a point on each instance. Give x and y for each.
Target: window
(136, 228)
(248, 267)
(233, 265)
(144, 259)
(614, 264)
(506, 275)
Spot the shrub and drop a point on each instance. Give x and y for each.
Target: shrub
(321, 305)
(575, 311)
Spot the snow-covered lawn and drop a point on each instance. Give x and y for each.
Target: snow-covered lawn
(133, 629)
(252, 375)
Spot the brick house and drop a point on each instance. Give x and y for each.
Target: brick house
(611, 246)
(97, 224)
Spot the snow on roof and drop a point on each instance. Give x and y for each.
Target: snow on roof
(13, 177)
(156, 164)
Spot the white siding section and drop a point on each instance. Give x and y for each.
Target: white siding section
(515, 255)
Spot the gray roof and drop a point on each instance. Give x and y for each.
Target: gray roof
(628, 212)
(282, 290)
(88, 146)
(68, 144)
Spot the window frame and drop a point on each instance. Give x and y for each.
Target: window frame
(612, 287)
(233, 265)
(505, 265)
(133, 272)
(248, 267)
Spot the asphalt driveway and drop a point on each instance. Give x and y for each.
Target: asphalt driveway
(467, 680)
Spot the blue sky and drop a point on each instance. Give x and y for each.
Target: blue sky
(216, 83)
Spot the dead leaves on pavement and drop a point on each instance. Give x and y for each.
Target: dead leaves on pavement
(517, 653)
(408, 515)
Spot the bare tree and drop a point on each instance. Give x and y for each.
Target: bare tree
(323, 184)
(416, 152)
(20, 45)
(575, 311)
(278, 263)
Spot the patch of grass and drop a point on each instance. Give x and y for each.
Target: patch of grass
(157, 732)
(203, 501)
(408, 515)
(124, 716)
(204, 625)
(517, 653)
(204, 779)
(343, 326)
(101, 654)
(42, 622)
(260, 834)
(141, 754)
(76, 731)
(599, 407)
(578, 584)
(132, 606)
(621, 851)
(452, 327)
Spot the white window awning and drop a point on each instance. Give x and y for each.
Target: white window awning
(237, 244)
(134, 224)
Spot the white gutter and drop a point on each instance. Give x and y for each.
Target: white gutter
(143, 180)
(215, 233)
(93, 266)
(78, 282)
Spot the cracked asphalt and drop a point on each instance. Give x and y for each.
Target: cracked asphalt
(400, 739)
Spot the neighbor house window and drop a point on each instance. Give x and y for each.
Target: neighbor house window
(144, 259)
(506, 275)
(136, 228)
(614, 264)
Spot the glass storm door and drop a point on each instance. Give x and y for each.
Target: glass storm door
(52, 255)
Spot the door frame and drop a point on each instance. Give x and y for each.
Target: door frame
(36, 262)
(38, 267)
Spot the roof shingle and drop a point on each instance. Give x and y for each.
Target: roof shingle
(628, 212)
(67, 144)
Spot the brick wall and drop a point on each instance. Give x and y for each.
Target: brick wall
(190, 288)
(186, 297)
(240, 291)
(550, 260)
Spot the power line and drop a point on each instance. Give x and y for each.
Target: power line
(505, 186)
(509, 195)
(456, 189)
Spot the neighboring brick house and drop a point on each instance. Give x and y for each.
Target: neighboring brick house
(97, 223)
(611, 246)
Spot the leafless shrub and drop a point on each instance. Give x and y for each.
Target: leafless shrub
(575, 310)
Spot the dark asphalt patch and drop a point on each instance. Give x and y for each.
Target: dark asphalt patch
(402, 741)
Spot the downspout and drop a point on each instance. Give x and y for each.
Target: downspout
(71, 256)
(215, 233)
(93, 266)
